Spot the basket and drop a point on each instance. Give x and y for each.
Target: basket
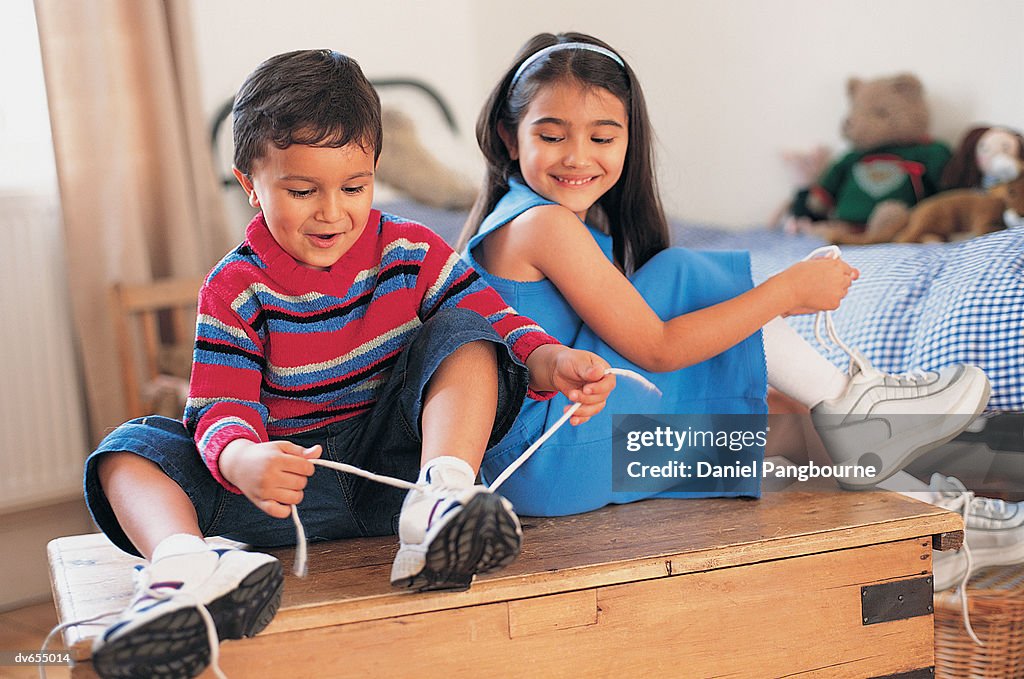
(996, 605)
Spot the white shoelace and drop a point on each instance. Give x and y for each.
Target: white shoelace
(962, 503)
(145, 590)
(825, 317)
(300, 534)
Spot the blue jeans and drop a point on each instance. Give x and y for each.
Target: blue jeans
(385, 440)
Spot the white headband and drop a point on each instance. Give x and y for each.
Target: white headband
(557, 47)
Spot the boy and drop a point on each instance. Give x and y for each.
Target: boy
(332, 330)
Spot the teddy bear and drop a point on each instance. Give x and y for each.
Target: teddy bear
(960, 213)
(891, 165)
(407, 165)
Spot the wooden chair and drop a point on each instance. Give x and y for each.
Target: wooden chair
(155, 324)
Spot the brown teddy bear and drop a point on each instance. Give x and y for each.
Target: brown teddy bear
(891, 166)
(407, 165)
(959, 213)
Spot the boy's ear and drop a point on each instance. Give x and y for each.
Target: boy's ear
(247, 186)
(509, 140)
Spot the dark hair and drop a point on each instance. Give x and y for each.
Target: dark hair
(962, 171)
(314, 97)
(632, 209)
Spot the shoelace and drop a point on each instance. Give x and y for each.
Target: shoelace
(145, 590)
(300, 533)
(991, 506)
(962, 503)
(825, 317)
(910, 378)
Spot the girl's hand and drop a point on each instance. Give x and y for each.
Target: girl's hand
(816, 285)
(272, 475)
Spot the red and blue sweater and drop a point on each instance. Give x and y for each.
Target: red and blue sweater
(283, 349)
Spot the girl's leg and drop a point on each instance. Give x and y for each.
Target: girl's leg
(797, 369)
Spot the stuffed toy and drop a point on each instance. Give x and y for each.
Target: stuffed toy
(804, 167)
(985, 157)
(891, 166)
(956, 214)
(407, 165)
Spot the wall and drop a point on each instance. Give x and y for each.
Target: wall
(730, 84)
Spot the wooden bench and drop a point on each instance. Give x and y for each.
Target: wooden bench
(799, 583)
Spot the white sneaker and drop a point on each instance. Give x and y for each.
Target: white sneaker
(183, 604)
(449, 534)
(993, 532)
(887, 421)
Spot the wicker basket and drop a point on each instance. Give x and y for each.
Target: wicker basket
(996, 605)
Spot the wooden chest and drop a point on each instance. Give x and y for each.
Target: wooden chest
(799, 583)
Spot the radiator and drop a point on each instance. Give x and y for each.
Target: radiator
(42, 425)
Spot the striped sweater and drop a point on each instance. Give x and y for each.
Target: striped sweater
(283, 349)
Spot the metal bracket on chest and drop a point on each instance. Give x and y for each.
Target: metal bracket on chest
(896, 600)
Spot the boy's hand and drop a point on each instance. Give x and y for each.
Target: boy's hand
(272, 475)
(577, 374)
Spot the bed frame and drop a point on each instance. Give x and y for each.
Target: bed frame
(800, 583)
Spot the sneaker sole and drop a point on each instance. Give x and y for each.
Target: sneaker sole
(175, 645)
(249, 608)
(482, 538)
(962, 422)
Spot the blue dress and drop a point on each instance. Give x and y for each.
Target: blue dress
(572, 472)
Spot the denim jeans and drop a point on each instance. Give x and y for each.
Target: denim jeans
(385, 440)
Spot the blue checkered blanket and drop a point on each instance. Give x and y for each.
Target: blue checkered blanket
(914, 306)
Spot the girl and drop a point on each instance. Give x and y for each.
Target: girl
(570, 230)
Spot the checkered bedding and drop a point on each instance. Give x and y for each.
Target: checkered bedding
(914, 306)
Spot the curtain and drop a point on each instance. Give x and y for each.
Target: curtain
(138, 191)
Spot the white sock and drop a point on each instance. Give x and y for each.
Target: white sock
(447, 470)
(180, 543)
(797, 369)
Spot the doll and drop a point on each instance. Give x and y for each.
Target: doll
(985, 157)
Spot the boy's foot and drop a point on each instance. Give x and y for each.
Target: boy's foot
(162, 633)
(993, 532)
(886, 421)
(449, 534)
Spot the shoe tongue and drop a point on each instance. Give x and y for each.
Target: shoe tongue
(861, 368)
(449, 477)
(947, 484)
(190, 569)
(450, 472)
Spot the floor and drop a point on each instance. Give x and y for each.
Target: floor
(24, 629)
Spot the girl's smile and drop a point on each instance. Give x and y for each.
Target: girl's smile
(571, 144)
